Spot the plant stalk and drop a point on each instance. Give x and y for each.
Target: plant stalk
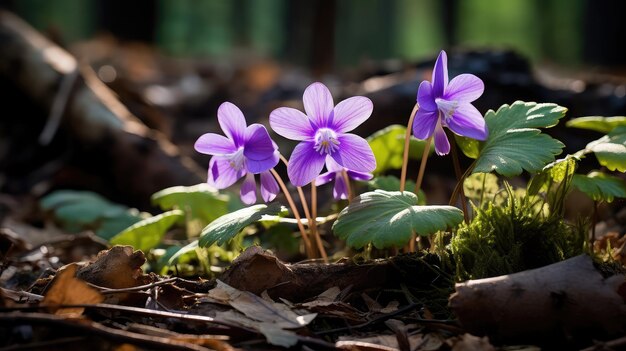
(310, 219)
(305, 237)
(346, 179)
(459, 177)
(407, 139)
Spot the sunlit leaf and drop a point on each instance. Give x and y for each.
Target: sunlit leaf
(148, 233)
(515, 143)
(554, 172)
(597, 123)
(388, 147)
(201, 201)
(600, 186)
(388, 218)
(610, 150)
(227, 226)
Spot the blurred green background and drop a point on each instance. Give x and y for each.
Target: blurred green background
(339, 33)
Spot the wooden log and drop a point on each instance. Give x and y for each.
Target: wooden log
(138, 160)
(566, 301)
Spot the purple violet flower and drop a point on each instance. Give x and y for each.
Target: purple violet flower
(335, 172)
(444, 104)
(323, 131)
(245, 151)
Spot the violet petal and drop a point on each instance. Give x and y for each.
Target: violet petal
(291, 124)
(359, 175)
(248, 190)
(269, 186)
(340, 190)
(258, 144)
(464, 88)
(467, 121)
(442, 145)
(221, 174)
(304, 164)
(214, 144)
(318, 104)
(425, 97)
(232, 122)
(354, 153)
(440, 75)
(350, 113)
(332, 165)
(325, 178)
(424, 123)
(258, 166)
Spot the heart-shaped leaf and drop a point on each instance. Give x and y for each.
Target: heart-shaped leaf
(388, 218)
(227, 226)
(600, 186)
(515, 143)
(147, 234)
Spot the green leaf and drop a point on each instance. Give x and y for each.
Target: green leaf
(610, 150)
(470, 147)
(515, 144)
(554, 172)
(227, 226)
(392, 183)
(147, 234)
(200, 201)
(597, 123)
(388, 147)
(600, 186)
(388, 218)
(85, 210)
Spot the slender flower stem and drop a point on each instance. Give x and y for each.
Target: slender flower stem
(294, 209)
(313, 199)
(310, 219)
(346, 179)
(420, 175)
(407, 139)
(459, 177)
(455, 194)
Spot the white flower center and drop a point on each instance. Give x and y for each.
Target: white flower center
(326, 141)
(447, 107)
(237, 159)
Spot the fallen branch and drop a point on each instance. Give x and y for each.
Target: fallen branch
(569, 300)
(136, 160)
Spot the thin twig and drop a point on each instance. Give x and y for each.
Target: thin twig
(44, 345)
(378, 319)
(105, 290)
(407, 139)
(58, 107)
(94, 328)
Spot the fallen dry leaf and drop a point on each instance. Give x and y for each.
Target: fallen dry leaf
(469, 342)
(66, 289)
(260, 309)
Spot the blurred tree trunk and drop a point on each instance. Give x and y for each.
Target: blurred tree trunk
(133, 20)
